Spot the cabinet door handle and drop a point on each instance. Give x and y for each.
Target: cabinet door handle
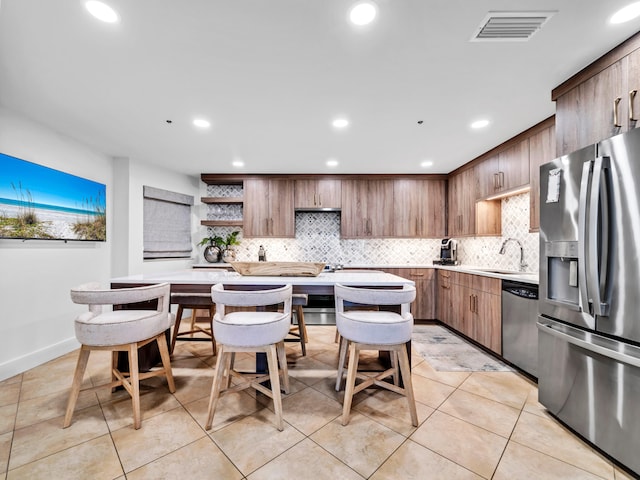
(616, 123)
(314, 200)
(501, 180)
(319, 200)
(471, 303)
(632, 97)
(475, 303)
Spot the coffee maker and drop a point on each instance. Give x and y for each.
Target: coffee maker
(448, 252)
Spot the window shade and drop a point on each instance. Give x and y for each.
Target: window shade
(167, 224)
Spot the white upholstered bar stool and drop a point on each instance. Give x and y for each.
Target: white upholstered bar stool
(121, 331)
(375, 330)
(248, 331)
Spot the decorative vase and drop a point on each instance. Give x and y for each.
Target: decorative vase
(212, 254)
(229, 255)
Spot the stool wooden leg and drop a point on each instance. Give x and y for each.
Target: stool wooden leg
(166, 361)
(192, 327)
(212, 311)
(282, 358)
(393, 356)
(134, 380)
(272, 361)
(351, 381)
(302, 329)
(405, 368)
(176, 328)
(114, 367)
(81, 366)
(341, 361)
(216, 387)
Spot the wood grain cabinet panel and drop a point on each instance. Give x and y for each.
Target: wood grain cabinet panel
(462, 206)
(471, 304)
(367, 209)
(504, 171)
(268, 208)
(419, 208)
(424, 306)
(318, 194)
(542, 149)
(603, 105)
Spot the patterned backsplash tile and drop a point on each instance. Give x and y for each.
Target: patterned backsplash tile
(318, 240)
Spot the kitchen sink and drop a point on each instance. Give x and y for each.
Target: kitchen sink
(507, 272)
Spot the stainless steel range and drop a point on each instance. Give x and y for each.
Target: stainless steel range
(589, 322)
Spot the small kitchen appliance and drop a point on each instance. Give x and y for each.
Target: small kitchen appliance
(448, 252)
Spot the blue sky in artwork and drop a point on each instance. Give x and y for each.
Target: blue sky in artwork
(48, 186)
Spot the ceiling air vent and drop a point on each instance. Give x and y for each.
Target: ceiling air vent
(510, 26)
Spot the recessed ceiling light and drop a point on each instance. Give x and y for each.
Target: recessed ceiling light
(238, 163)
(340, 123)
(332, 162)
(363, 13)
(480, 124)
(201, 123)
(102, 11)
(426, 164)
(627, 13)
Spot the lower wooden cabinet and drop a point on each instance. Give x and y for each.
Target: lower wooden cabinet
(471, 305)
(424, 307)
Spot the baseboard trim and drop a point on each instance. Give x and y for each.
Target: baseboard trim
(21, 364)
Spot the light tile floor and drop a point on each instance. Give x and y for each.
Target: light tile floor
(472, 425)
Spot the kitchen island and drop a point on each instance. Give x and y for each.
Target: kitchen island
(201, 280)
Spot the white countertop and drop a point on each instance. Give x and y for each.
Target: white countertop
(212, 276)
(476, 270)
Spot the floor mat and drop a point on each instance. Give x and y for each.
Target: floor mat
(447, 352)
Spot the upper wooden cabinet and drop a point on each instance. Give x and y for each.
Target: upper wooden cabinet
(419, 208)
(504, 171)
(601, 100)
(318, 194)
(542, 149)
(367, 208)
(462, 204)
(268, 208)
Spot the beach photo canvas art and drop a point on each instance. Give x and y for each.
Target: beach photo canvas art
(38, 202)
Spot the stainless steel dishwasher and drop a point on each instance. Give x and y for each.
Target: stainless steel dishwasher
(519, 331)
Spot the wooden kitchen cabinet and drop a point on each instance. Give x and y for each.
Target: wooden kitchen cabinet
(318, 194)
(268, 208)
(419, 208)
(504, 171)
(542, 149)
(367, 209)
(600, 101)
(471, 304)
(461, 196)
(424, 306)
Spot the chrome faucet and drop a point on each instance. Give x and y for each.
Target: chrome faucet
(523, 265)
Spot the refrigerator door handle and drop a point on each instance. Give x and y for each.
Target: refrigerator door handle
(583, 237)
(599, 220)
(548, 327)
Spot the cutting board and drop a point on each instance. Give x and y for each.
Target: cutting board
(278, 269)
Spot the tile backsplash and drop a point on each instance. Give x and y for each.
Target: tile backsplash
(318, 239)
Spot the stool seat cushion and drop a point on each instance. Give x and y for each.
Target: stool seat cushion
(120, 327)
(375, 327)
(251, 329)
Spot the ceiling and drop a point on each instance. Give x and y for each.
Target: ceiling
(271, 75)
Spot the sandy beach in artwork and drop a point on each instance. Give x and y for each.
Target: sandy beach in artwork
(57, 224)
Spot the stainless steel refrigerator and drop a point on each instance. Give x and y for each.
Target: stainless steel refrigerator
(589, 305)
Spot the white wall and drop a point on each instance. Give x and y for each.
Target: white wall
(36, 324)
